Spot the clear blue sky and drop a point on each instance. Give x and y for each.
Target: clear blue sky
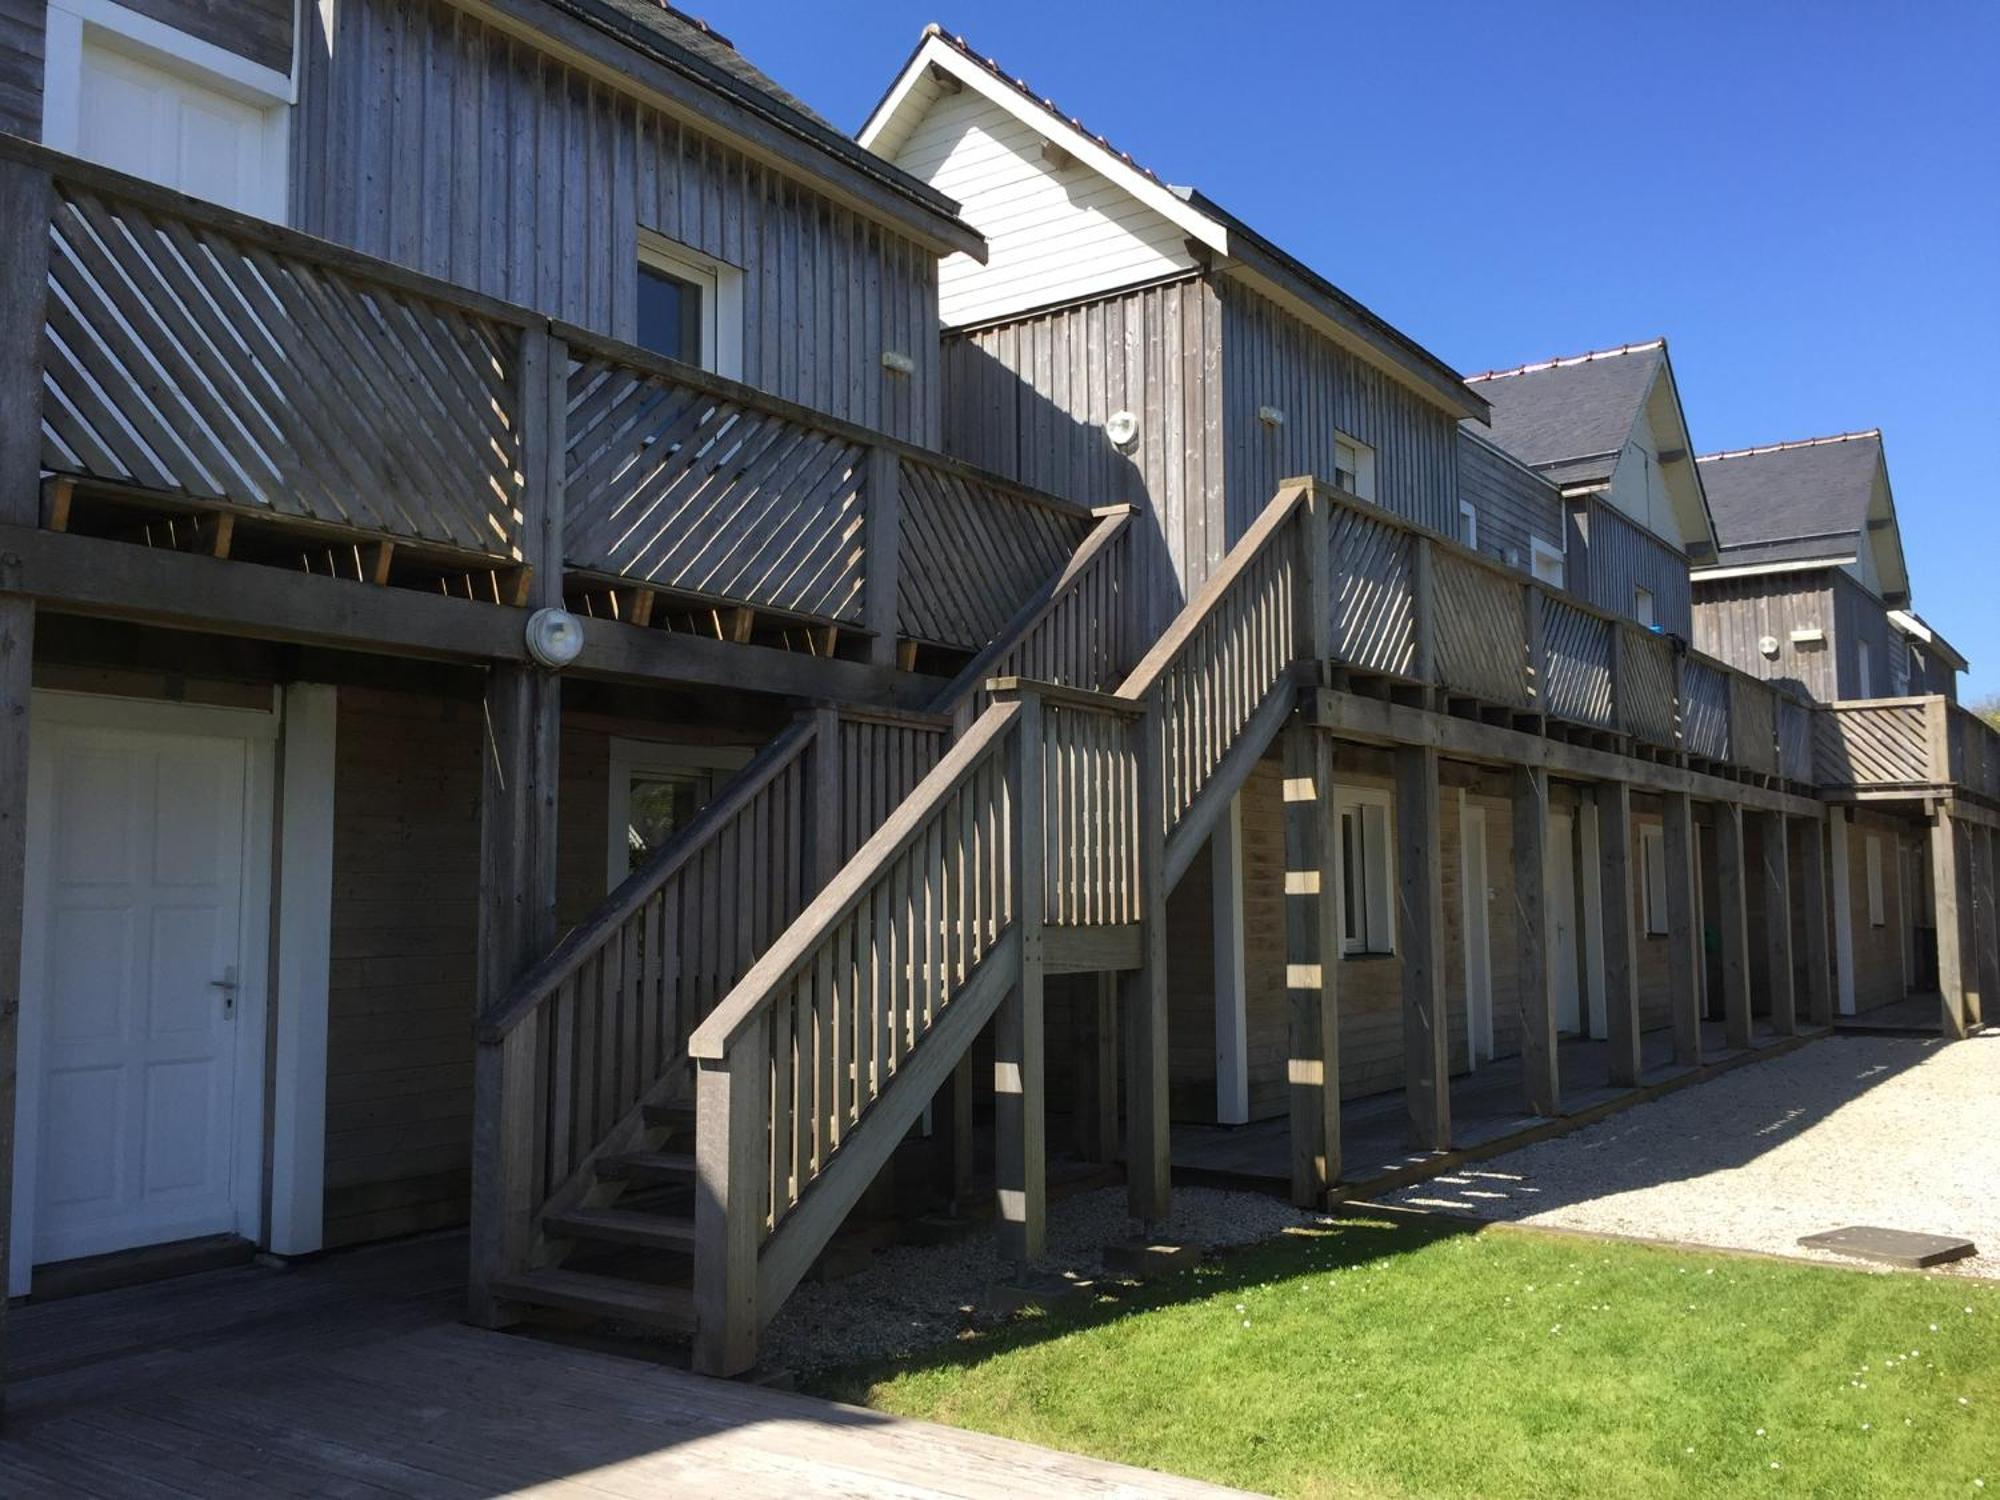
(1805, 198)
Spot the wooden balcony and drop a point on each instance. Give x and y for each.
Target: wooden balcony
(216, 384)
(1886, 746)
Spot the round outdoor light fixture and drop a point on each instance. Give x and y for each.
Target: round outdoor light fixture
(1768, 645)
(1122, 427)
(555, 637)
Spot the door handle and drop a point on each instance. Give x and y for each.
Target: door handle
(227, 984)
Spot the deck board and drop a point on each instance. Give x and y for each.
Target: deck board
(351, 1377)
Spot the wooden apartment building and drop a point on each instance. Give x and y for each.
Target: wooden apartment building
(586, 655)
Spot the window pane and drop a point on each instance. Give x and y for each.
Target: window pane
(669, 318)
(1350, 879)
(661, 804)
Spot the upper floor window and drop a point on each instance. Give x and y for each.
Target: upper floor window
(1354, 467)
(690, 306)
(1547, 561)
(142, 97)
(1642, 607)
(656, 790)
(1468, 524)
(1367, 900)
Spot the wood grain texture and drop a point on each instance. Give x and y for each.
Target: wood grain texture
(21, 66)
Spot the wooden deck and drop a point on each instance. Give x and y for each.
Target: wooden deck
(350, 1377)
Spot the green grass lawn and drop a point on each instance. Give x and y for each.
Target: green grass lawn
(1397, 1357)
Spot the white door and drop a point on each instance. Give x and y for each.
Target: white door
(182, 131)
(1478, 939)
(141, 1100)
(1562, 879)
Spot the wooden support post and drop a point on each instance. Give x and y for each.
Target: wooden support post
(1778, 924)
(1733, 922)
(1096, 1064)
(1312, 964)
(882, 544)
(1684, 952)
(1423, 610)
(1540, 1069)
(1420, 901)
(1813, 907)
(1989, 924)
(517, 907)
(1616, 891)
(1142, 1000)
(823, 855)
(1232, 1021)
(732, 1177)
(1538, 652)
(1020, 1154)
(1947, 845)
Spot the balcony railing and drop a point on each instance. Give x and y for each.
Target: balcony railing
(1889, 744)
(198, 358)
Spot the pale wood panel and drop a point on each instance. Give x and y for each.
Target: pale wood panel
(434, 140)
(1646, 686)
(1732, 616)
(260, 30)
(1704, 710)
(1480, 645)
(1516, 506)
(1860, 744)
(1578, 646)
(1374, 594)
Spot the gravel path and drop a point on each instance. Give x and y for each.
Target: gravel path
(916, 1297)
(1898, 1132)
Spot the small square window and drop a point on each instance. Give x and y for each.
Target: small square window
(1642, 607)
(1354, 468)
(656, 789)
(1468, 524)
(688, 307)
(671, 312)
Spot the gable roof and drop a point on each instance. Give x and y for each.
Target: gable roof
(1224, 240)
(737, 97)
(1569, 418)
(1824, 497)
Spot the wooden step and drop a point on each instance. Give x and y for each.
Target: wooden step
(679, 1118)
(648, 1166)
(623, 1226)
(670, 1307)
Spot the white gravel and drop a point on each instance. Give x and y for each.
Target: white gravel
(915, 1297)
(1887, 1131)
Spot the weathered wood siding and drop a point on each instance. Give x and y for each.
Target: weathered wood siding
(1515, 504)
(260, 30)
(1732, 614)
(1271, 358)
(1029, 398)
(1610, 555)
(21, 67)
(437, 141)
(1860, 627)
(1054, 233)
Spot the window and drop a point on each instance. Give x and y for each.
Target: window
(1876, 916)
(1468, 524)
(1867, 678)
(140, 96)
(1547, 561)
(655, 791)
(1653, 868)
(689, 307)
(1354, 467)
(1642, 607)
(1367, 902)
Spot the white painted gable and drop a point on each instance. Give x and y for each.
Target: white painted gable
(1056, 230)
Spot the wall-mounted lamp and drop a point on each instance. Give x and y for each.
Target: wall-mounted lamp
(1271, 416)
(1122, 427)
(901, 364)
(1768, 645)
(555, 637)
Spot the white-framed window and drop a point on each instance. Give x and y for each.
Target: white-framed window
(1642, 607)
(690, 306)
(1353, 467)
(1653, 882)
(1877, 913)
(131, 93)
(1864, 658)
(655, 790)
(1366, 871)
(1468, 524)
(1546, 561)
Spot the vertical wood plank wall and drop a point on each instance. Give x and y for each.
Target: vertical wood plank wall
(1271, 358)
(431, 139)
(1515, 505)
(1860, 623)
(1029, 398)
(1732, 614)
(21, 54)
(1610, 555)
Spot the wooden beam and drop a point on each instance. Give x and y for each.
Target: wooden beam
(1617, 894)
(1778, 925)
(1733, 923)
(1373, 721)
(1142, 997)
(1232, 1019)
(1947, 842)
(1813, 909)
(732, 1177)
(1020, 1151)
(1684, 951)
(1312, 964)
(1420, 908)
(1537, 977)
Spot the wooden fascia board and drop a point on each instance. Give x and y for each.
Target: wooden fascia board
(582, 45)
(1666, 373)
(1379, 722)
(1051, 126)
